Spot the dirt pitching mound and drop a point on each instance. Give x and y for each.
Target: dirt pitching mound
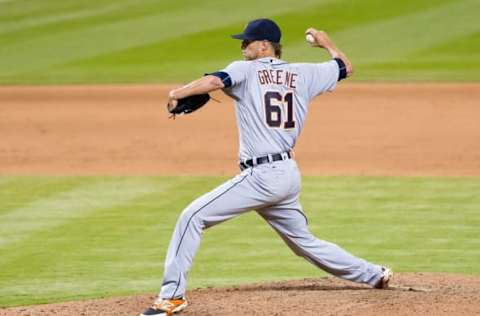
(410, 294)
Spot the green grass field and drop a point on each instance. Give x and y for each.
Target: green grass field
(122, 41)
(65, 238)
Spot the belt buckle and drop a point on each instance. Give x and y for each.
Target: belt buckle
(244, 165)
(254, 161)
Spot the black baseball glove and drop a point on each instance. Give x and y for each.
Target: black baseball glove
(189, 104)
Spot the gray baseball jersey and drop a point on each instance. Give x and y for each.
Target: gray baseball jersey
(272, 99)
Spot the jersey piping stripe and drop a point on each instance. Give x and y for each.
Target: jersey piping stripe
(211, 201)
(196, 212)
(178, 284)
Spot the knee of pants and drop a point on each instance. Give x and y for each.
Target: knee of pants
(190, 217)
(199, 218)
(304, 241)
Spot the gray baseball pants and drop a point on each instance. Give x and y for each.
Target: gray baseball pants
(273, 190)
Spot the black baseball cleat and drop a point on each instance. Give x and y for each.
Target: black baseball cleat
(387, 275)
(162, 307)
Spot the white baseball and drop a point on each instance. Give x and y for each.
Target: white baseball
(309, 37)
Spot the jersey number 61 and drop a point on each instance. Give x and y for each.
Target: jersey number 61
(276, 105)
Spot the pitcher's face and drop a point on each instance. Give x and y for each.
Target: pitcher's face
(250, 49)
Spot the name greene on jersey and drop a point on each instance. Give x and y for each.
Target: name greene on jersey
(277, 76)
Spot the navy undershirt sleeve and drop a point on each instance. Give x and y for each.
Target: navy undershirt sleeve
(342, 74)
(225, 77)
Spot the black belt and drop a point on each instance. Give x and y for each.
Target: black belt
(265, 159)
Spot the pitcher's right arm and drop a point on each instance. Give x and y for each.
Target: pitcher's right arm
(323, 40)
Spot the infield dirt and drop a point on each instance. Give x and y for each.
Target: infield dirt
(362, 129)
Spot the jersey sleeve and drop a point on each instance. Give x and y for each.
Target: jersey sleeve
(321, 77)
(237, 71)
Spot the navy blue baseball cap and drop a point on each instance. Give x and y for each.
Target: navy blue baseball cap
(259, 30)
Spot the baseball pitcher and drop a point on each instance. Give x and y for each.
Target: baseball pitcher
(271, 98)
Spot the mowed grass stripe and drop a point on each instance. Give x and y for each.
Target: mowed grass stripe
(119, 247)
(46, 213)
(346, 15)
(18, 9)
(69, 19)
(411, 224)
(463, 47)
(92, 39)
(56, 17)
(157, 62)
(446, 61)
(402, 36)
(4, 180)
(150, 41)
(40, 188)
(411, 214)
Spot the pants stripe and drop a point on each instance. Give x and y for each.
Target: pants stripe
(196, 212)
